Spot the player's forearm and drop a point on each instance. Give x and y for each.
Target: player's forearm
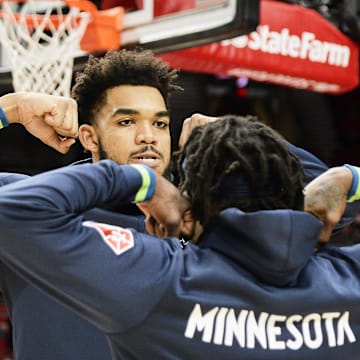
(312, 165)
(73, 190)
(326, 197)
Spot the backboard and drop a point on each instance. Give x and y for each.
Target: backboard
(200, 22)
(164, 26)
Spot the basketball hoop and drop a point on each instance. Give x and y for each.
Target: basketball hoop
(42, 38)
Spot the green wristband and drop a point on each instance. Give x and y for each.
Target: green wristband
(354, 193)
(148, 183)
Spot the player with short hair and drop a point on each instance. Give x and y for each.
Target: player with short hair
(122, 97)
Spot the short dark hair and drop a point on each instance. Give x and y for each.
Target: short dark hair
(240, 162)
(124, 67)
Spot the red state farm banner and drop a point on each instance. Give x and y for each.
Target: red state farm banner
(292, 46)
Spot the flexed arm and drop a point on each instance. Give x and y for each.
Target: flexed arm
(52, 119)
(326, 196)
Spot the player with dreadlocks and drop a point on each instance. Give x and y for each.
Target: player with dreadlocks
(235, 162)
(250, 287)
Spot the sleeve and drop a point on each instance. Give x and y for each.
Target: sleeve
(345, 260)
(352, 252)
(313, 167)
(136, 222)
(5, 179)
(105, 273)
(8, 178)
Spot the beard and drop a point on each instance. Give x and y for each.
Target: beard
(103, 155)
(102, 152)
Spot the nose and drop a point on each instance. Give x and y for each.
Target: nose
(146, 134)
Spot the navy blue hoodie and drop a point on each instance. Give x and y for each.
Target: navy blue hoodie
(253, 288)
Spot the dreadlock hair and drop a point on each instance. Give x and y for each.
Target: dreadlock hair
(236, 147)
(124, 67)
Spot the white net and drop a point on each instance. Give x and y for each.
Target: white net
(41, 48)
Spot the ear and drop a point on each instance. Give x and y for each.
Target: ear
(187, 226)
(88, 138)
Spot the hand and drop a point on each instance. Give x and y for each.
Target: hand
(167, 212)
(190, 123)
(52, 119)
(325, 198)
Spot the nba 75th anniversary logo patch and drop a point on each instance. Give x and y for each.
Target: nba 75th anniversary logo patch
(117, 238)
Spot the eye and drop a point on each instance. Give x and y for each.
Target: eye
(125, 122)
(161, 124)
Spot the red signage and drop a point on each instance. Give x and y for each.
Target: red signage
(292, 46)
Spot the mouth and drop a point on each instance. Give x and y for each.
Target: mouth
(150, 159)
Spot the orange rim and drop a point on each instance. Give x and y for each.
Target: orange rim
(103, 30)
(82, 5)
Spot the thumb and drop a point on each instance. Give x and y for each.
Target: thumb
(62, 145)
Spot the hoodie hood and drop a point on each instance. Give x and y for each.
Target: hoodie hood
(273, 245)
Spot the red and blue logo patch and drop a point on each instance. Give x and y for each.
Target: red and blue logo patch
(117, 238)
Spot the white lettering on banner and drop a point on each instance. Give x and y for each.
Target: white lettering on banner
(221, 326)
(287, 80)
(283, 43)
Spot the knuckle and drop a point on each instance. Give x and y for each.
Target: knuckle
(186, 122)
(197, 117)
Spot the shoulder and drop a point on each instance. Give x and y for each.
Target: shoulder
(83, 161)
(8, 178)
(344, 260)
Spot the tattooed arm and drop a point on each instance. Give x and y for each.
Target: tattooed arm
(326, 197)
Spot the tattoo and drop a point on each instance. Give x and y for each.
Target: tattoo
(328, 196)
